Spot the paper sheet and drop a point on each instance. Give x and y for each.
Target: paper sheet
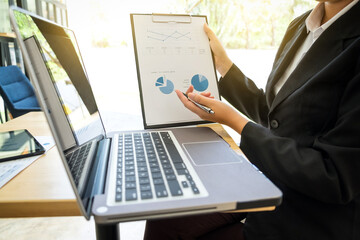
(10, 169)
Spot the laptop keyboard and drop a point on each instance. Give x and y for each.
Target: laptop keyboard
(149, 166)
(76, 161)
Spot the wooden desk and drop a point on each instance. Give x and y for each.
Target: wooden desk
(42, 189)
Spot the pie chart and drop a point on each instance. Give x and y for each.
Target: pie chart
(165, 85)
(200, 82)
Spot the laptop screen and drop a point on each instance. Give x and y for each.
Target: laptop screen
(62, 58)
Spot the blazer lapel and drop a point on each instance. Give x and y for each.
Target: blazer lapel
(327, 47)
(284, 60)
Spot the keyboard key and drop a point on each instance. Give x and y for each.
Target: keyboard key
(155, 164)
(162, 152)
(182, 172)
(129, 173)
(175, 189)
(131, 167)
(164, 161)
(142, 169)
(130, 194)
(185, 184)
(140, 155)
(179, 166)
(155, 170)
(146, 195)
(143, 174)
(130, 185)
(169, 171)
(155, 135)
(163, 157)
(140, 159)
(170, 177)
(158, 181)
(138, 152)
(129, 162)
(118, 197)
(130, 179)
(195, 189)
(141, 164)
(145, 187)
(160, 191)
(144, 180)
(156, 175)
(167, 166)
(152, 160)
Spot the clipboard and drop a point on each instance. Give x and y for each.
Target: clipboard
(172, 52)
(168, 18)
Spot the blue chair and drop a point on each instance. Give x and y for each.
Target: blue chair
(17, 92)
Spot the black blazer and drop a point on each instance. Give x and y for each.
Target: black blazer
(306, 139)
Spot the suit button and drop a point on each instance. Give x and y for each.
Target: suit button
(274, 124)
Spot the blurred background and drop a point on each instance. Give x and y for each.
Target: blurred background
(250, 30)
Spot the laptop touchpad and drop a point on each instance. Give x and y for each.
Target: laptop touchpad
(210, 153)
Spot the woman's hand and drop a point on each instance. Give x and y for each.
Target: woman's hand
(222, 61)
(223, 113)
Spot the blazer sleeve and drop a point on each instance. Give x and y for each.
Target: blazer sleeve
(329, 169)
(243, 94)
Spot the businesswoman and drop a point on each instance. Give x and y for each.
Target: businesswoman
(304, 132)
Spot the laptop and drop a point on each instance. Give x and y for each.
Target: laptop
(130, 175)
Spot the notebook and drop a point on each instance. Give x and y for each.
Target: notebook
(130, 175)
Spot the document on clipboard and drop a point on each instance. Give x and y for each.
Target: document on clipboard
(171, 52)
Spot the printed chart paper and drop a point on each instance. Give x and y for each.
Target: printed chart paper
(172, 52)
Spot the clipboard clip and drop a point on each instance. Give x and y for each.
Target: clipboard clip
(171, 18)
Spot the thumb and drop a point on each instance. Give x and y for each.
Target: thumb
(211, 35)
(200, 99)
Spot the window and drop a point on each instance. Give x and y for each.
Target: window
(250, 30)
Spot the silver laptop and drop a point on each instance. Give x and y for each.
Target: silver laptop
(131, 175)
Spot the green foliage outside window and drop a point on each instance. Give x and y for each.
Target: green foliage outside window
(250, 24)
(28, 29)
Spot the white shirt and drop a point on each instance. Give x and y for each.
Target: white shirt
(314, 30)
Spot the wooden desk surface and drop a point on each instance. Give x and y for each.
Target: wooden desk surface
(43, 188)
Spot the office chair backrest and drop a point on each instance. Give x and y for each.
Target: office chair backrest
(17, 91)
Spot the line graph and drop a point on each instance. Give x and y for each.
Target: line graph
(175, 35)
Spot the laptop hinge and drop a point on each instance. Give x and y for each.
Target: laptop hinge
(101, 160)
(96, 180)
